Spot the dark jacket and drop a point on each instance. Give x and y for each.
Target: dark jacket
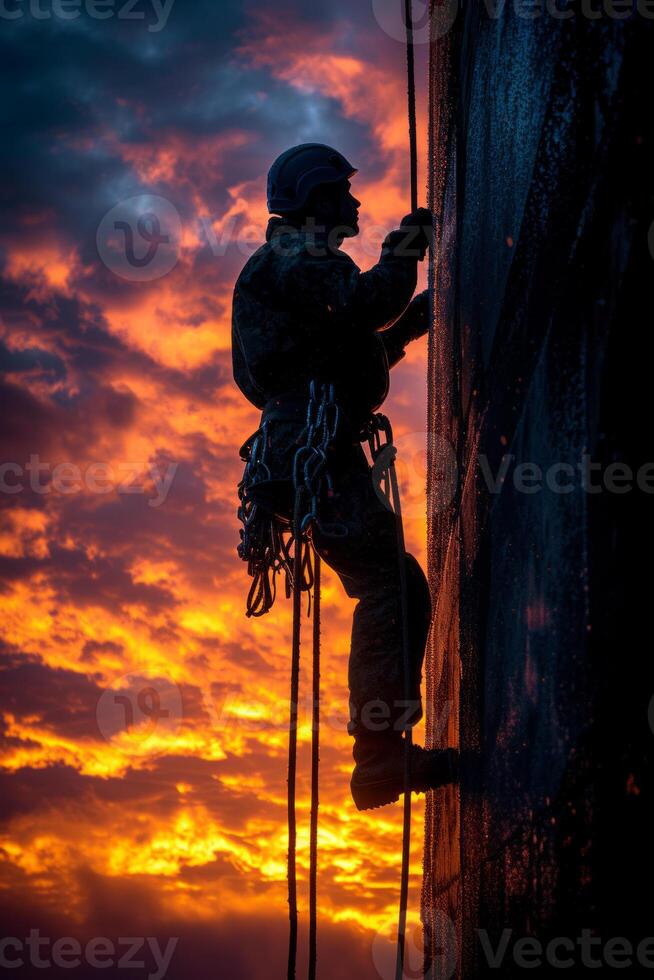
(303, 311)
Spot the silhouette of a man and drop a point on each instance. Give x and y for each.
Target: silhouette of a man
(303, 310)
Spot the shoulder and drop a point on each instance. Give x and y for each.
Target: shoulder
(292, 260)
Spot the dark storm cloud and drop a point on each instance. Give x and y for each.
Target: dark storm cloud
(187, 526)
(92, 649)
(65, 701)
(110, 82)
(114, 74)
(60, 427)
(41, 365)
(75, 327)
(100, 581)
(83, 346)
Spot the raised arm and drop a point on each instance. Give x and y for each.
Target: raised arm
(366, 300)
(413, 323)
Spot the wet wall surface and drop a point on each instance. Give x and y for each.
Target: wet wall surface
(539, 665)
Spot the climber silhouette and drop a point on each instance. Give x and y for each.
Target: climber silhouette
(303, 310)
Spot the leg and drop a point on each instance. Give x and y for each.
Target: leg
(366, 561)
(367, 564)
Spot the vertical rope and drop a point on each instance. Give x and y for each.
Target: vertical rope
(315, 762)
(411, 90)
(408, 739)
(292, 741)
(406, 828)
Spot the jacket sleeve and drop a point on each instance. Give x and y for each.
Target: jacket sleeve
(368, 300)
(413, 323)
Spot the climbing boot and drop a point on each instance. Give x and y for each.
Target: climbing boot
(378, 776)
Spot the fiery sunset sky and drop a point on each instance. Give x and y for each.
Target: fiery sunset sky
(121, 428)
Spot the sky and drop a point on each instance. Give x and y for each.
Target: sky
(143, 721)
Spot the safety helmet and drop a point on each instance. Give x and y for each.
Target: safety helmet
(297, 171)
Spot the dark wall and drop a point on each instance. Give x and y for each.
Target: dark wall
(541, 145)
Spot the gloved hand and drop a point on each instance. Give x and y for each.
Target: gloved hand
(416, 318)
(413, 323)
(418, 228)
(421, 216)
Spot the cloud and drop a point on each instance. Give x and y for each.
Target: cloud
(182, 835)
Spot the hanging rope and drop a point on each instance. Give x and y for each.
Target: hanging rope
(315, 762)
(303, 556)
(383, 456)
(411, 90)
(408, 738)
(292, 735)
(311, 480)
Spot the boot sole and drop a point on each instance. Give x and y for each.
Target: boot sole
(370, 796)
(373, 796)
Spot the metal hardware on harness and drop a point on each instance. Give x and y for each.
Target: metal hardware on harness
(310, 474)
(266, 539)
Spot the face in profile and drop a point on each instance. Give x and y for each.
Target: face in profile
(334, 206)
(349, 210)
